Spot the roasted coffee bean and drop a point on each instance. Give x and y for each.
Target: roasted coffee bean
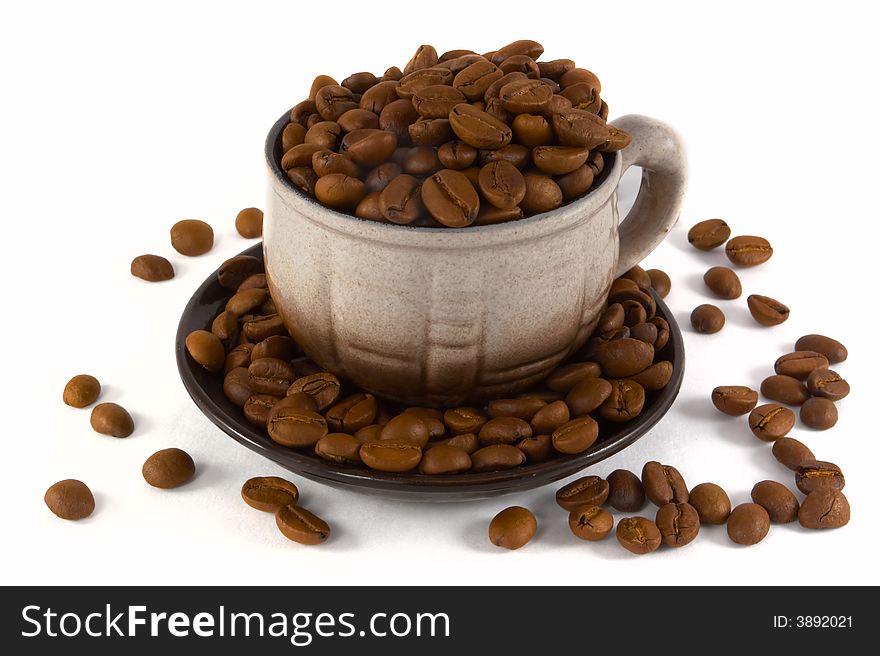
(663, 484)
(436, 101)
(489, 215)
(259, 328)
(504, 430)
(464, 420)
(303, 178)
(257, 408)
(445, 459)
(748, 250)
(368, 147)
(537, 448)
(576, 183)
(81, 391)
(406, 428)
(591, 523)
(303, 110)
(583, 492)
(587, 396)
(152, 268)
(412, 83)
(734, 400)
(332, 101)
(255, 281)
(323, 387)
(450, 198)
(555, 68)
(516, 154)
(293, 135)
(370, 433)
(478, 128)
(824, 509)
(512, 528)
(249, 222)
(421, 161)
(662, 332)
(192, 237)
(522, 64)
(678, 524)
(575, 436)
(352, 413)
(70, 499)
(827, 384)
(633, 313)
(709, 234)
(378, 96)
(225, 327)
(767, 311)
(269, 493)
(748, 524)
(467, 441)
(430, 132)
(624, 357)
(237, 386)
(318, 83)
(299, 156)
(550, 417)
(707, 319)
(496, 457)
(168, 468)
(475, 79)
(711, 503)
(566, 377)
(425, 57)
(502, 184)
(522, 408)
(780, 503)
(401, 200)
(655, 377)
(800, 364)
(559, 160)
(457, 155)
(723, 282)
(300, 525)
(583, 96)
(340, 191)
(532, 130)
(369, 208)
(295, 427)
(577, 127)
(625, 491)
(528, 96)
(112, 419)
(325, 134)
(819, 413)
(660, 282)
(644, 332)
(626, 401)
(578, 75)
(638, 535)
(298, 400)
(611, 319)
(791, 453)
(390, 456)
(458, 60)
(270, 376)
(358, 119)
(639, 276)
(341, 448)
(833, 350)
(246, 301)
(378, 178)
(276, 346)
(359, 82)
(325, 162)
(771, 421)
(813, 475)
(784, 389)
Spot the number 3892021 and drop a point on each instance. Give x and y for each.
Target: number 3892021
(823, 621)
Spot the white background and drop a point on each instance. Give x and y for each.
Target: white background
(118, 120)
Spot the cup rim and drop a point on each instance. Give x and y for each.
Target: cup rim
(557, 219)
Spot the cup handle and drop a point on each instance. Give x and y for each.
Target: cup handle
(659, 151)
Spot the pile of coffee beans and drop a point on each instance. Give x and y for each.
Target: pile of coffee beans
(612, 379)
(281, 497)
(452, 140)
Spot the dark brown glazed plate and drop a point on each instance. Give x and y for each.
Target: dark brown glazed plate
(206, 389)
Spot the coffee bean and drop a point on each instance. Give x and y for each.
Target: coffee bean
(663, 484)
(269, 493)
(587, 396)
(81, 391)
(791, 453)
(293, 135)
(152, 268)
(812, 475)
(469, 442)
(451, 198)
(707, 319)
(457, 155)
(236, 386)
(824, 509)
(389, 456)
(323, 387)
(515, 154)
(249, 222)
(626, 401)
(225, 327)
(299, 156)
(424, 57)
(771, 421)
(436, 101)
(496, 457)
(259, 328)
(276, 346)
(502, 184)
(784, 389)
(332, 101)
(303, 178)
(723, 282)
(780, 503)
(325, 134)
(800, 364)
(168, 468)
(445, 459)
(591, 523)
(300, 525)
(504, 430)
(478, 128)
(271, 376)
(662, 333)
(464, 420)
(111, 419)
(559, 160)
(550, 417)
(192, 237)
(624, 357)
(576, 183)
(660, 282)
(340, 448)
(827, 384)
(257, 408)
(371, 147)
(295, 427)
(513, 527)
(611, 319)
(326, 162)
(401, 200)
(319, 83)
(378, 96)
(70, 499)
(833, 350)
(708, 234)
(575, 436)
(532, 130)
(536, 448)
(555, 68)
(655, 377)
(370, 433)
(577, 127)
(352, 413)
(767, 311)
(406, 429)
(711, 503)
(748, 250)
(379, 177)
(583, 96)
(638, 535)
(340, 191)
(358, 119)
(246, 301)
(748, 524)
(255, 281)
(206, 349)
(566, 377)
(678, 524)
(819, 413)
(421, 161)
(522, 408)
(583, 492)
(625, 491)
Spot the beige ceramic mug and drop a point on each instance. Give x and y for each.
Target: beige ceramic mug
(438, 316)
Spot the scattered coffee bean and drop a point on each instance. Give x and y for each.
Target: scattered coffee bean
(638, 535)
(663, 484)
(780, 503)
(269, 493)
(678, 524)
(800, 364)
(767, 311)
(824, 509)
(711, 503)
(81, 391)
(585, 491)
(708, 234)
(819, 413)
(513, 527)
(723, 282)
(591, 523)
(771, 421)
(784, 389)
(249, 222)
(70, 499)
(748, 251)
(791, 453)
(111, 419)
(660, 282)
(827, 384)
(833, 350)
(748, 524)
(300, 525)
(152, 268)
(734, 400)
(192, 237)
(625, 491)
(206, 349)
(168, 468)
(814, 475)
(707, 319)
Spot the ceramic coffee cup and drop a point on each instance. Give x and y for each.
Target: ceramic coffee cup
(439, 316)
